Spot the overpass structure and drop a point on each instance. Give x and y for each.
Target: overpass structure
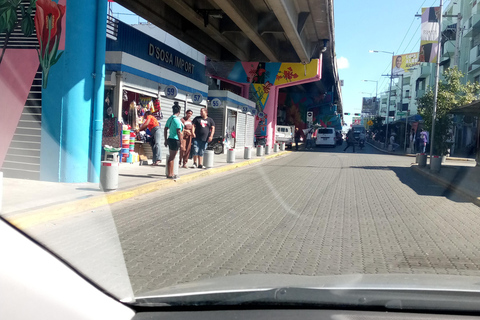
(282, 37)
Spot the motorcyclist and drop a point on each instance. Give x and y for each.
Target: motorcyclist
(361, 139)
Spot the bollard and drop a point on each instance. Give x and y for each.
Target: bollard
(231, 155)
(435, 163)
(208, 158)
(109, 175)
(416, 157)
(175, 162)
(267, 149)
(275, 147)
(282, 146)
(422, 160)
(260, 151)
(248, 153)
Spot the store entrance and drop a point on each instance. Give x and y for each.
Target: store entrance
(231, 127)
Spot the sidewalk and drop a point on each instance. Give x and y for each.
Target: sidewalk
(460, 175)
(400, 152)
(23, 199)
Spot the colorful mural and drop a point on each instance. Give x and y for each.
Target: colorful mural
(48, 24)
(263, 76)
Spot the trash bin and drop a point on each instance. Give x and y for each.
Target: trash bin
(208, 158)
(260, 151)
(422, 160)
(248, 153)
(109, 175)
(231, 156)
(435, 163)
(175, 162)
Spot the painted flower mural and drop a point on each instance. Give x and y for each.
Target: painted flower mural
(287, 74)
(10, 19)
(48, 23)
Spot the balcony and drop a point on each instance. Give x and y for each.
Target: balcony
(448, 49)
(472, 26)
(420, 93)
(425, 70)
(475, 55)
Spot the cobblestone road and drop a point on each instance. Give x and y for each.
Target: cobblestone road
(307, 213)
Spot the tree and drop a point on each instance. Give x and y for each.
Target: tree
(452, 93)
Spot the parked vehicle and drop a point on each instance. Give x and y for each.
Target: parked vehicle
(216, 145)
(326, 137)
(285, 134)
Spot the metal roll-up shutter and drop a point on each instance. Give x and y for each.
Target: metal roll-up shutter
(218, 116)
(241, 130)
(250, 131)
(23, 155)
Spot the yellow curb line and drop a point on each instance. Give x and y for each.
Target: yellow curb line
(451, 187)
(54, 212)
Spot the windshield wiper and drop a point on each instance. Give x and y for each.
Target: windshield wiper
(368, 299)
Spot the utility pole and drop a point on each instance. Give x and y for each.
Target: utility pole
(437, 76)
(389, 93)
(456, 57)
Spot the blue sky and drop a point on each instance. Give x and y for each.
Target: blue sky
(360, 26)
(380, 25)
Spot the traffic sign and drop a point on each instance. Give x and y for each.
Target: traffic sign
(400, 114)
(370, 122)
(309, 116)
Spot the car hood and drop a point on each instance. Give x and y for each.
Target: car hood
(264, 282)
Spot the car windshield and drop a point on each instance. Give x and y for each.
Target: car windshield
(325, 131)
(170, 148)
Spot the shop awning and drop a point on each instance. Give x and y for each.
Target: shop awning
(472, 109)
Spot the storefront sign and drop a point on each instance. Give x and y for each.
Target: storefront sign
(171, 92)
(261, 115)
(141, 45)
(216, 103)
(245, 109)
(168, 57)
(253, 111)
(197, 98)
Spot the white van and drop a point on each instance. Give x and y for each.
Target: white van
(285, 134)
(326, 137)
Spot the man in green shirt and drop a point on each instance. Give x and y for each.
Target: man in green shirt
(175, 136)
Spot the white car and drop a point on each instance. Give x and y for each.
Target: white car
(326, 137)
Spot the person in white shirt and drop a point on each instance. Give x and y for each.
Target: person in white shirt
(398, 70)
(392, 142)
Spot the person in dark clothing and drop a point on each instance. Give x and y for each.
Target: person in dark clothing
(298, 135)
(350, 141)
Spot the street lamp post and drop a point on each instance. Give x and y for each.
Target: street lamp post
(389, 94)
(376, 91)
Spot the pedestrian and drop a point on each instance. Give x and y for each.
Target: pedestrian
(309, 145)
(151, 123)
(174, 128)
(392, 142)
(203, 131)
(423, 141)
(412, 141)
(350, 140)
(298, 136)
(186, 143)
